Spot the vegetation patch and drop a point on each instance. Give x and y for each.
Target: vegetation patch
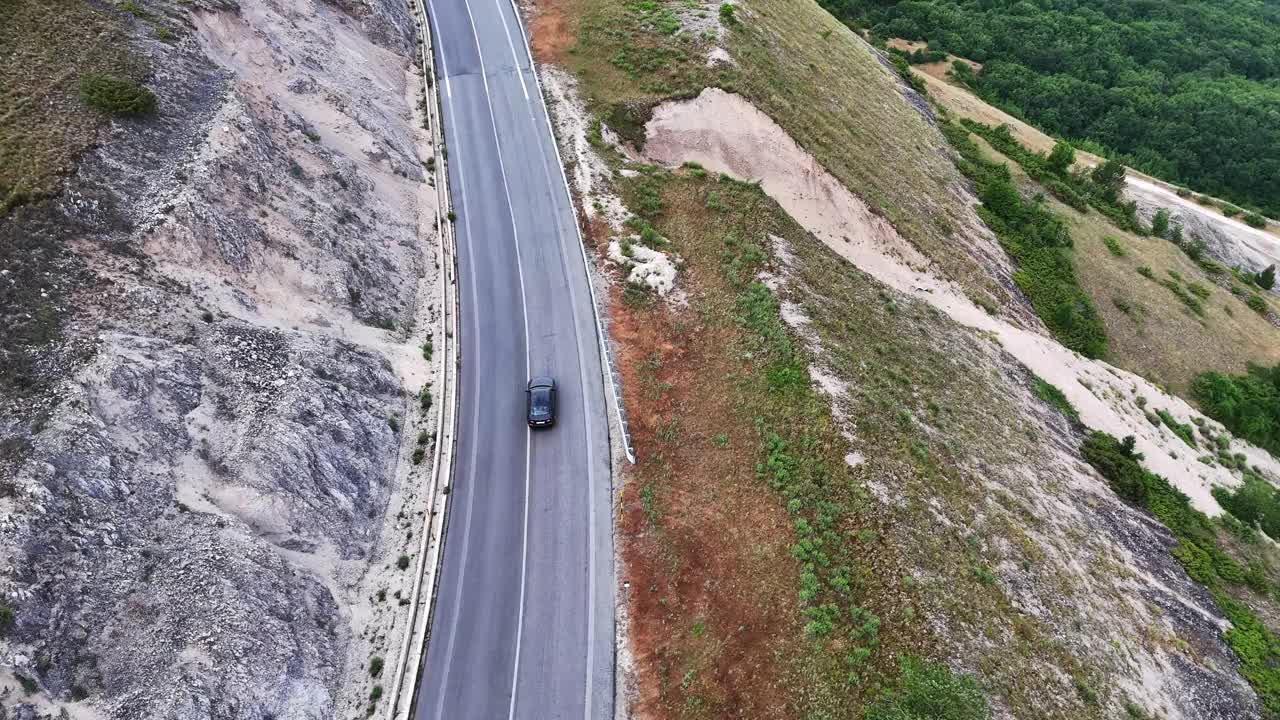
(1248, 405)
(116, 96)
(1234, 582)
(930, 692)
(1099, 188)
(1039, 242)
(1050, 393)
(735, 372)
(52, 50)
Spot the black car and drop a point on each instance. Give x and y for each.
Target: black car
(542, 402)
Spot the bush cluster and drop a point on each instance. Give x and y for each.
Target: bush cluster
(1248, 405)
(1039, 242)
(115, 95)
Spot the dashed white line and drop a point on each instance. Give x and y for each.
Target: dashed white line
(582, 370)
(524, 308)
(475, 420)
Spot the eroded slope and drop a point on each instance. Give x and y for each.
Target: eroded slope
(205, 489)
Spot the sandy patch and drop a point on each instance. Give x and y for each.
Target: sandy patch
(725, 133)
(652, 268)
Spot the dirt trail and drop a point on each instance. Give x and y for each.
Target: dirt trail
(725, 133)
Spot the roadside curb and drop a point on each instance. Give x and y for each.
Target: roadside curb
(426, 579)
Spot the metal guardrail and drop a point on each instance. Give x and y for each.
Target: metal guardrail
(426, 582)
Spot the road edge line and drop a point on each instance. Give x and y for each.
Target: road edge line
(426, 580)
(608, 367)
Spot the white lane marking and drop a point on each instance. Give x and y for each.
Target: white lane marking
(577, 341)
(475, 430)
(524, 309)
(515, 60)
(444, 62)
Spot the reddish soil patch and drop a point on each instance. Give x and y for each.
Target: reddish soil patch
(705, 543)
(551, 28)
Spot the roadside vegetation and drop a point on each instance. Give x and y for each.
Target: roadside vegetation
(1126, 76)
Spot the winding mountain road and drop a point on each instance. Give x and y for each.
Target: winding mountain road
(523, 622)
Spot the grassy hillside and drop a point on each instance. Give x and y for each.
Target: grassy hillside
(629, 55)
(846, 504)
(1184, 90)
(56, 56)
(1171, 325)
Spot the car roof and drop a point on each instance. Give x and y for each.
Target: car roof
(542, 381)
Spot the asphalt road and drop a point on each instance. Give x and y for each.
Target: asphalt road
(523, 623)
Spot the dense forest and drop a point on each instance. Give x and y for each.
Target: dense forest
(1187, 90)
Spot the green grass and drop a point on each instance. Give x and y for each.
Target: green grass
(116, 96)
(1182, 430)
(1049, 393)
(930, 692)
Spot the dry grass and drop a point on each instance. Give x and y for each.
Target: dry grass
(813, 76)
(1149, 330)
(45, 48)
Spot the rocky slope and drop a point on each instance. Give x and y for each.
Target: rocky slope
(202, 448)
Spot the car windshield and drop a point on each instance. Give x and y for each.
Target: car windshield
(540, 401)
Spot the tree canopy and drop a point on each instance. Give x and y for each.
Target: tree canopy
(1188, 90)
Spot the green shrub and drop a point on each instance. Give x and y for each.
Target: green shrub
(1182, 430)
(1114, 246)
(1254, 220)
(1266, 279)
(1061, 158)
(1050, 393)
(1257, 304)
(1160, 223)
(1145, 271)
(115, 95)
(1248, 405)
(375, 666)
(727, 15)
(1255, 502)
(927, 691)
(402, 562)
(1038, 241)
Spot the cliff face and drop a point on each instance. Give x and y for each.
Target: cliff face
(212, 326)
